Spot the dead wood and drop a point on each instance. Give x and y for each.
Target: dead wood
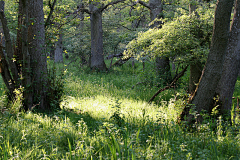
(169, 86)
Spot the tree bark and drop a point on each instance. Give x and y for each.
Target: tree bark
(95, 11)
(2, 3)
(36, 39)
(205, 93)
(231, 65)
(162, 63)
(26, 71)
(163, 69)
(58, 54)
(195, 74)
(97, 58)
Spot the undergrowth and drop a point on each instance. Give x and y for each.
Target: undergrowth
(102, 117)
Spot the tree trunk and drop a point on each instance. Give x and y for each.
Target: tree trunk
(205, 93)
(162, 63)
(195, 74)
(231, 64)
(2, 3)
(163, 69)
(97, 58)
(26, 71)
(9, 47)
(58, 56)
(156, 9)
(18, 51)
(36, 39)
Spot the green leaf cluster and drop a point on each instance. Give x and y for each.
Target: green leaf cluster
(186, 38)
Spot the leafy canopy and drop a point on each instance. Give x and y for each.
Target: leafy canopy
(186, 37)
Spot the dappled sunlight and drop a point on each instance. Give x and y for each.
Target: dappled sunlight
(103, 107)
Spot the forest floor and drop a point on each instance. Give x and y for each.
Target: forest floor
(103, 117)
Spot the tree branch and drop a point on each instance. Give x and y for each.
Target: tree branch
(85, 10)
(51, 6)
(169, 86)
(144, 4)
(111, 3)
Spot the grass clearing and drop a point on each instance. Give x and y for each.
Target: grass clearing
(102, 117)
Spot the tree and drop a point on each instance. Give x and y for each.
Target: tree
(58, 53)
(177, 39)
(27, 67)
(36, 39)
(203, 98)
(95, 10)
(231, 65)
(162, 63)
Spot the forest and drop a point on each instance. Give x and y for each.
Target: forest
(119, 79)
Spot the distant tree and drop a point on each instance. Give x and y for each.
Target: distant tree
(177, 39)
(95, 10)
(156, 12)
(58, 53)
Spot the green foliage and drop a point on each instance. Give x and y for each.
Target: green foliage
(55, 85)
(102, 116)
(186, 38)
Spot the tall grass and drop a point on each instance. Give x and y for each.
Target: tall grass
(102, 117)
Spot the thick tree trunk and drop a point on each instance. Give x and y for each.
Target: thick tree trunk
(19, 34)
(97, 58)
(26, 71)
(58, 54)
(231, 64)
(205, 93)
(36, 39)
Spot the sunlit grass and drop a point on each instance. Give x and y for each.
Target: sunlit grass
(102, 117)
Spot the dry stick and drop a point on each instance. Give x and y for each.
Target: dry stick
(169, 86)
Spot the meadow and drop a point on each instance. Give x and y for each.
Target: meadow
(103, 116)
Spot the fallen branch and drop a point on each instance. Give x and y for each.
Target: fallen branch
(145, 82)
(121, 61)
(169, 86)
(119, 55)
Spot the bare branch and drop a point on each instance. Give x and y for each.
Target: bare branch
(111, 3)
(51, 6)
(169, 86)
(85, 10)
(144, 4)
